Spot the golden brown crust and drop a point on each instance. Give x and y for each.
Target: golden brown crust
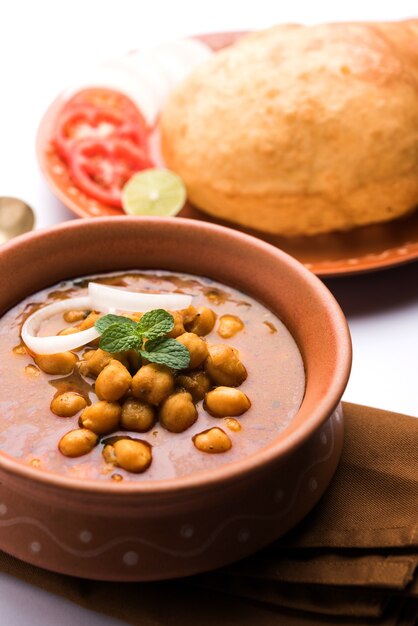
(301, 130)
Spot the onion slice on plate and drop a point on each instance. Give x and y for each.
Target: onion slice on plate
(147, 76)
(101, 298)
(112, 298)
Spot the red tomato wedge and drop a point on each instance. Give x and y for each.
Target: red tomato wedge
(101, 167)
(82, 121)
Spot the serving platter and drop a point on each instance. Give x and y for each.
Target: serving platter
(363, 249)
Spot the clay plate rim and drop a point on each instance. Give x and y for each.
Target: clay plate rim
(231, 471)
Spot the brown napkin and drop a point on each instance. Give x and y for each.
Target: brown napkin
(353, 560)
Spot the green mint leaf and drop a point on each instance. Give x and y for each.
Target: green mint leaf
(118, 338)
(168, 352)
(155, 323)
(104, 322)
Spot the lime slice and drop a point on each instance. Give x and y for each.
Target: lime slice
(154, 192)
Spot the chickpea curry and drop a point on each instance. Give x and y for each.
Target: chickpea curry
(160, 394)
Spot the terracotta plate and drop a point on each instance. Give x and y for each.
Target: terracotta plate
(360, 250)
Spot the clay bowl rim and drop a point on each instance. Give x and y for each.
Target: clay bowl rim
(229, 472)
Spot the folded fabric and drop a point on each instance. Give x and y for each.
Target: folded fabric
(176, 603)
(372, 501)
(357, 548)
(335, 569)
(314, 599)
(353, 560)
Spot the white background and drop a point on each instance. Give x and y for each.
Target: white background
(44, 45)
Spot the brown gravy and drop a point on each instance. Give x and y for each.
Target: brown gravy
(29, 431)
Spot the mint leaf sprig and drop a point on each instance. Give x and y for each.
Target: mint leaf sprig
(148, 337)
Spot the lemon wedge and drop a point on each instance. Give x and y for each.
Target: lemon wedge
(157, 192)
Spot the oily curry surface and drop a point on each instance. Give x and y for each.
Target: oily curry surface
(30, 431)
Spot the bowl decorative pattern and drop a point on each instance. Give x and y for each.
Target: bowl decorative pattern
(88, 541)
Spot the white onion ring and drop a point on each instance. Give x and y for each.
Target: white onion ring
(101, 298)
(105, 297)
(56, 343)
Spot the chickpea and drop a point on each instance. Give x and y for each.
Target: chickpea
(90, 320)
(224, 366)
(113, 382)
(229, 325)
(131, 455)
(233, 424)
(178, 412)
(130, 359)
(19, 349)
(77, 442)
(88, 354)
(98, 360)
(196, 346)
(32, 371)
(226, 401)
(60, 363)
(213, 441)
(178, 328)
(137, 415)
(68, 404)
(196, 383)
(102, 417)
(188, 315)
(75, 316)
(203, 322)
(217, 296)
(152, 383)
(71, 330)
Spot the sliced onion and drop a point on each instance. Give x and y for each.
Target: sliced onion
(112, 298)
(101, 298)
(147, 76)
(56, 343)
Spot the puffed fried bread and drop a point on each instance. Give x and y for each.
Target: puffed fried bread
(300, 130)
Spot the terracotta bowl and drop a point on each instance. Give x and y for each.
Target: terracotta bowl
(170, 528)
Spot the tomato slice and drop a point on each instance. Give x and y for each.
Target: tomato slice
(101, 167)
(103, 97)
(88, 121)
